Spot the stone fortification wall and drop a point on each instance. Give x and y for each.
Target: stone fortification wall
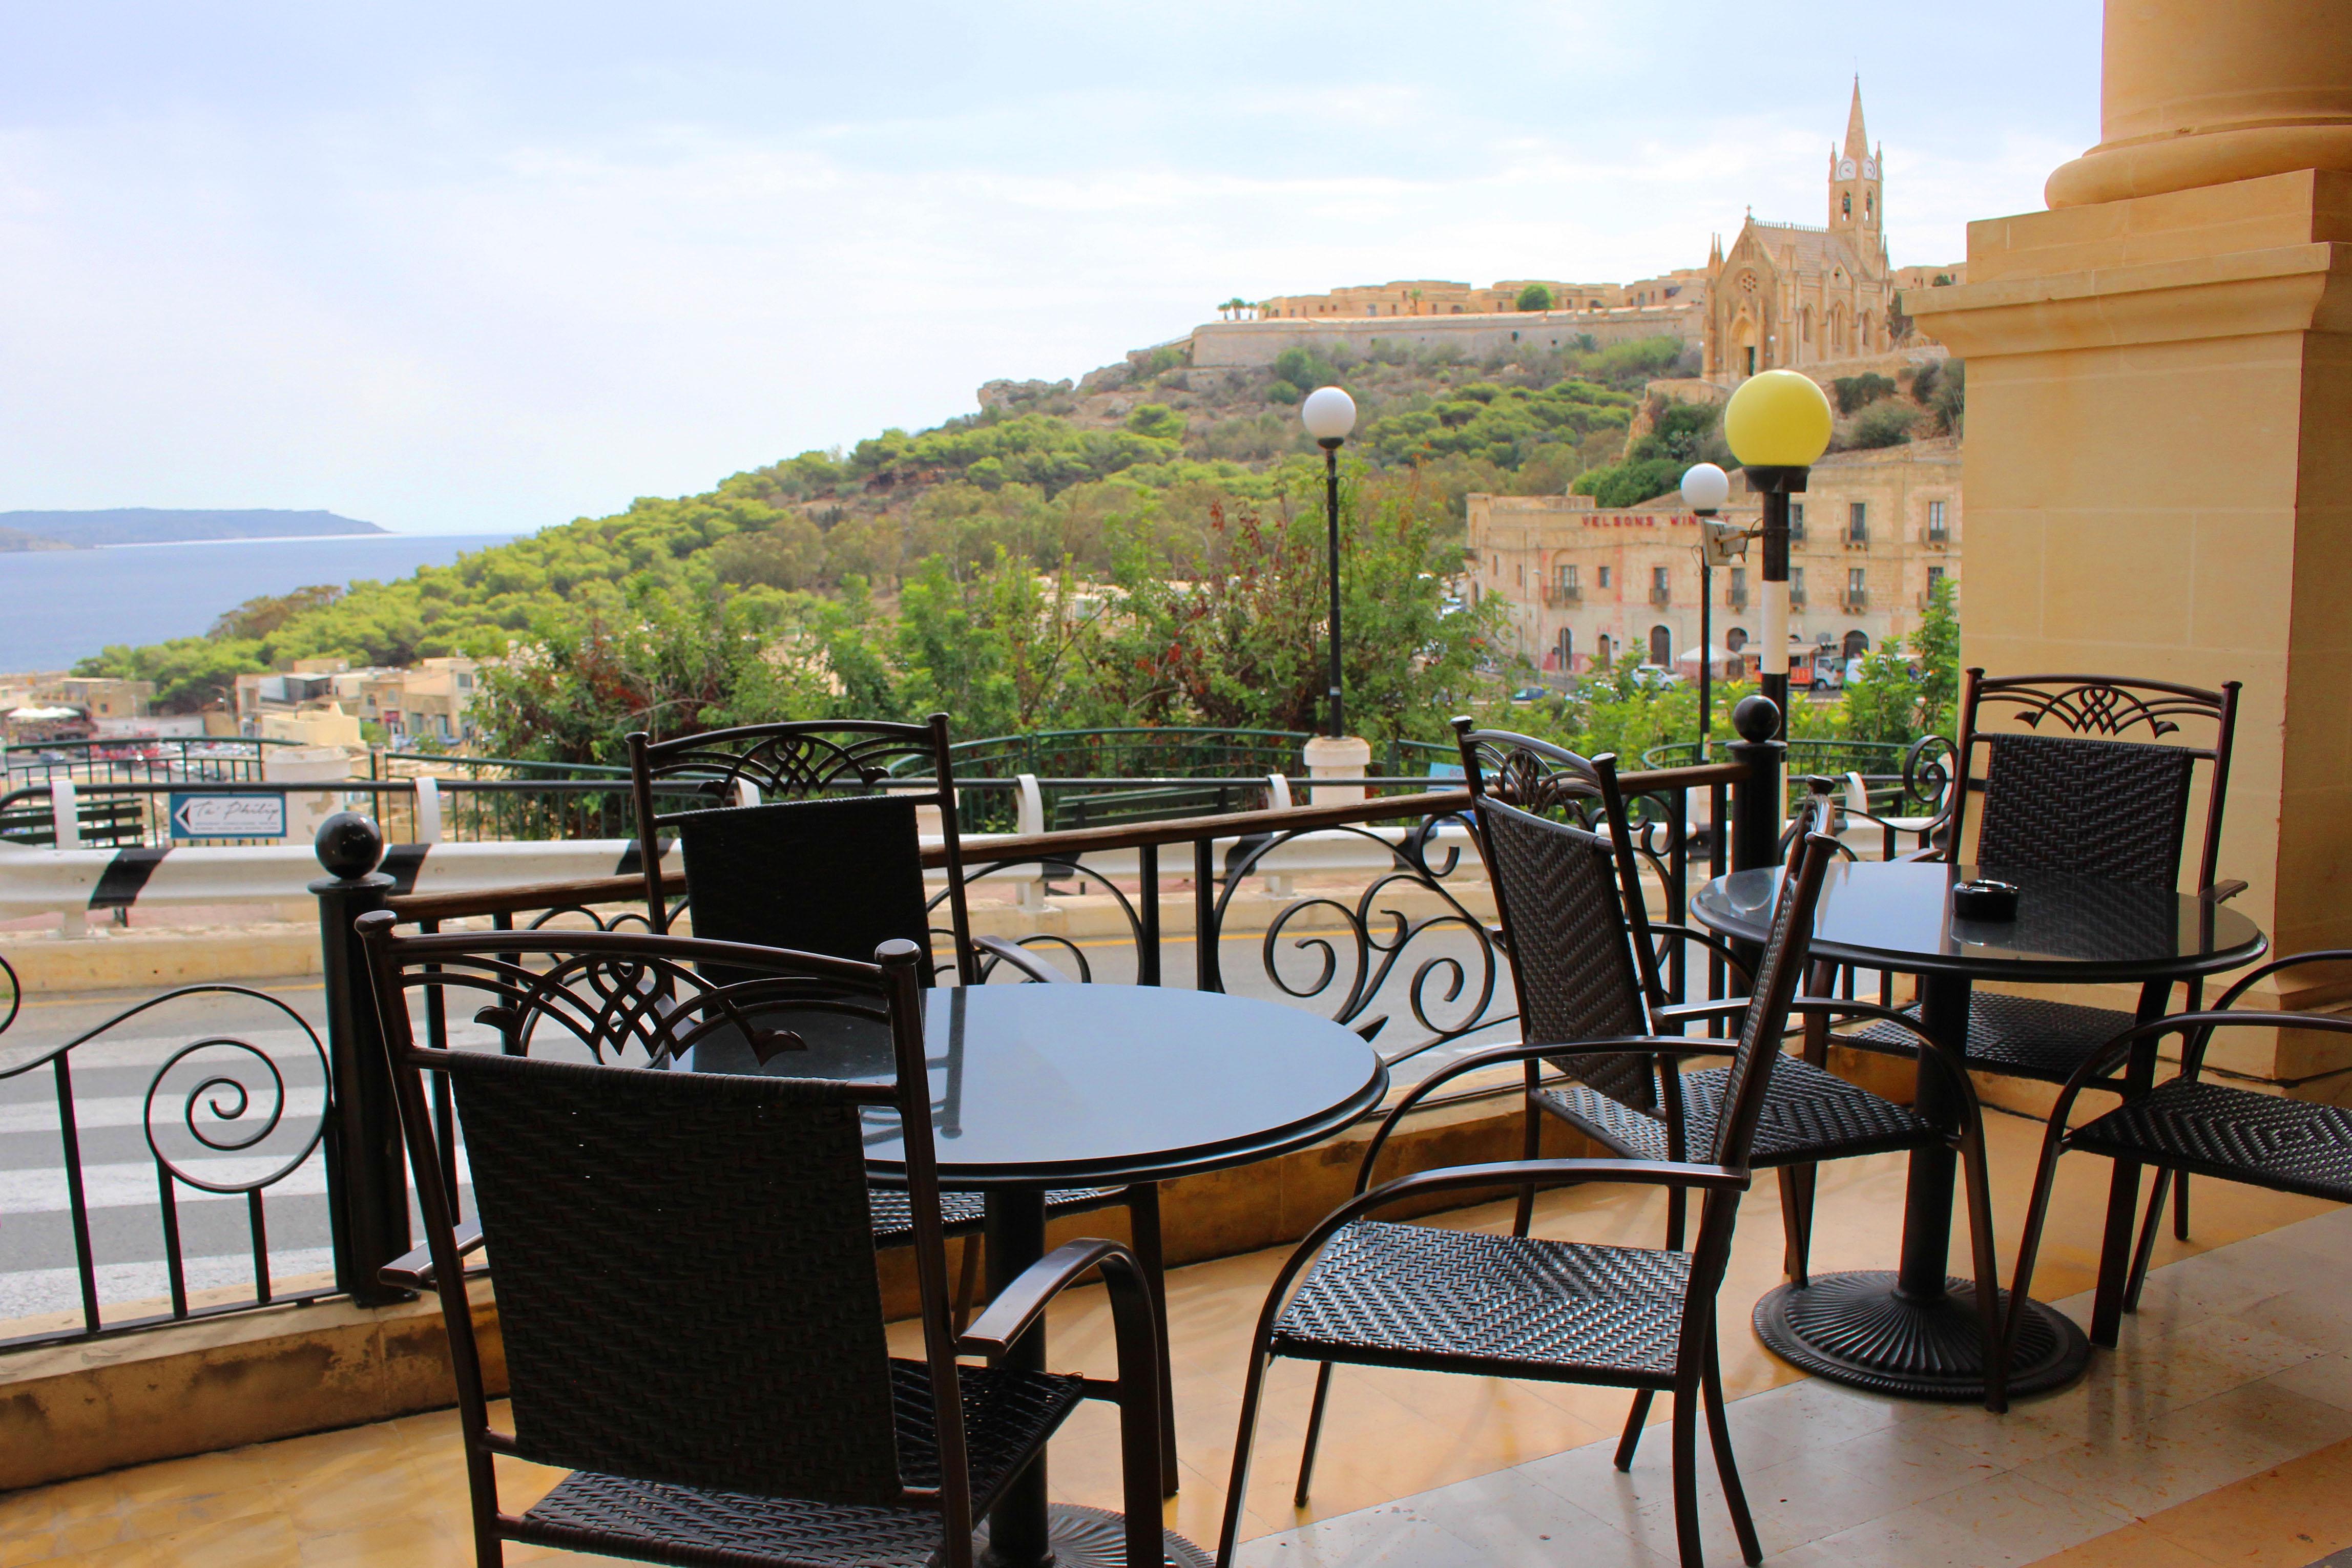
(1251, 345)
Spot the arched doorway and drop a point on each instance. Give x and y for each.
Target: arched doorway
(1662, 647)
(1856, 645)
(1735, 639)
(1601, 653)
(1567, 650)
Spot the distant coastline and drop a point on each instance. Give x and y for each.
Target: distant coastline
(33, 530)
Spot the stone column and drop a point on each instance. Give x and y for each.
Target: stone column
(2159, 453)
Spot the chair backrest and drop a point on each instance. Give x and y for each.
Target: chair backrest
(1778, 973)
(1561, 894)
(837, 876)
(802, 761)
(685, 1269)
(2091, 787)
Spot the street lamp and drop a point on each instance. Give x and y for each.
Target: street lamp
(1705, 489)
(1778, 423)
(1329, 415)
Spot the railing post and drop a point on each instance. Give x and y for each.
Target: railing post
(367, 1184)
(1757, 800)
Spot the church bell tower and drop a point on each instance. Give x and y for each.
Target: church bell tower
(1858, 197)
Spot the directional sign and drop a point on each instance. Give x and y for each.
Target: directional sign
(196, 816)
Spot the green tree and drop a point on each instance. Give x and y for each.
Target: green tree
(1535, 297)
(1156, 420)
(258, 618)
(1857, 393)
(788, 554)
(1939, 656)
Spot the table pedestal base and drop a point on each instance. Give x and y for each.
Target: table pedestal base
(1856, 1329)
(1096, 1538)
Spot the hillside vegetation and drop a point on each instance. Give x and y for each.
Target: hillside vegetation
(905, 571)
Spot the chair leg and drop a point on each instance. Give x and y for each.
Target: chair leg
(1726, 1466)
(1987, 1271)
(1530, 1147)
(968, 1287)
(1635, 1419)
(1314, 1434)
(1143, 1227)
(2144, 1253)
(1685, 1441)
(2114, 1253)
(1797, 1221)
(1677, 1218)
(1237, 1487)
(2180, 1206)
(1142, 1459)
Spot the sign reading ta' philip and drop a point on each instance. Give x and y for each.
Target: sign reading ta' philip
(197, 816)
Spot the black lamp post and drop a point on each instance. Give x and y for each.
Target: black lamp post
(1329, 415)
(1778, 425)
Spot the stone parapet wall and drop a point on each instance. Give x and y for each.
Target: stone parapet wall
(1255, 344)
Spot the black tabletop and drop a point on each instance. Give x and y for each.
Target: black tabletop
(1898, 914)
(1079, 1085)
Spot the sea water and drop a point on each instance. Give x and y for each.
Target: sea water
(57, 606)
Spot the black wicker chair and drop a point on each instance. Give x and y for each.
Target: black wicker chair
(2071, 793)
(2186, 1124)
(1586, 961)
(1421, 1297)
(834, 867)
(691, 1318)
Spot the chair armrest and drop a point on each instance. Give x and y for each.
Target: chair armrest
(1021, 959)
(2222, 891)
(1726, 1006)
(412, 1269)
(1708, 940)
(1017, 1307)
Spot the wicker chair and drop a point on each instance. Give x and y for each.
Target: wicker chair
(1377, 1293)
(1570, 898)
(691, 1318)
(2071, 793)
(2186, 1124)
(834, 868)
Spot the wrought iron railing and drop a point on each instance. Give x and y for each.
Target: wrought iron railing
(1372, 912)
(209, 759)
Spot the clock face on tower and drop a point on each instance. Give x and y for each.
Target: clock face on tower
(1870, 168)
(1845, 168)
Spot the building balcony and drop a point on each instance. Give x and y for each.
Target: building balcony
(1557, 597)
(1736, 599)
(1935, 538)
(1662, 597)
(1854, 541)
(1854, 600)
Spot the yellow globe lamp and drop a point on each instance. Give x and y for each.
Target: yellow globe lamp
(1778, 419)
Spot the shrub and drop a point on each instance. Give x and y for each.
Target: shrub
(1886, 424)
(1855, 392)
(1535, 297)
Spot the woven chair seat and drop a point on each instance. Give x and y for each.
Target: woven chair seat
(1809, 1114)
(2022, 1037)
(1415, 1296)
(962, 1212)
(1008, 1416)
(2291, 1145)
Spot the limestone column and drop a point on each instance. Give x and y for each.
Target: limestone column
(2159, 453)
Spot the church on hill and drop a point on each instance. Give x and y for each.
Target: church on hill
(1791, 295)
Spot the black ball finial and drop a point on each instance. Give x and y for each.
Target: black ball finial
(349, 845)
(1756, 718)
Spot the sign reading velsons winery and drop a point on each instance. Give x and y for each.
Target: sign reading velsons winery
(228, 816)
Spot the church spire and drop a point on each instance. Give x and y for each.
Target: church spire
(1857, 140)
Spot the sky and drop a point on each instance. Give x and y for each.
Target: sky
(489, 266)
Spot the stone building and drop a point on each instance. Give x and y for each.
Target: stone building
(1786, 295)
(1588, 586)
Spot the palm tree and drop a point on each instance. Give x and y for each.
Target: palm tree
(1232, 309)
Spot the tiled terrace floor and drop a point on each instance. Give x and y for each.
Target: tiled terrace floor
(2221, 1433)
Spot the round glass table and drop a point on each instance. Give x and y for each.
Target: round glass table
(1039, 1087)
(1914, 1331)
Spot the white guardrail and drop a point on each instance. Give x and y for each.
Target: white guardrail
(73, 881)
